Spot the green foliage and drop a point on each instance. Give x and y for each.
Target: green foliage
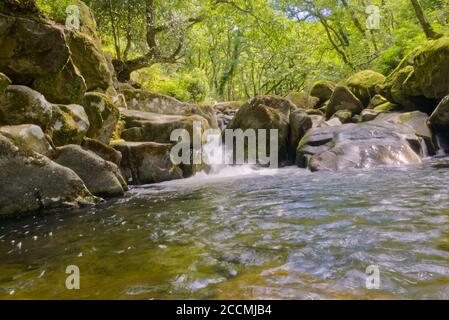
(55, 9)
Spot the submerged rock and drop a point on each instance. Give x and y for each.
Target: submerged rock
(29, 136)
(102, 178)
(422, 78)
(360, 146)
(20, 104)
(147, 162)
(31, 182)
(103, 116)
(69, 124)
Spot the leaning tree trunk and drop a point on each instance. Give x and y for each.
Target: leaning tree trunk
(425, 24)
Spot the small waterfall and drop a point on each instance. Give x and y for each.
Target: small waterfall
(442, 146)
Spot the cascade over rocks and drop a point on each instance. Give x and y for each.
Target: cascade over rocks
(31, 182)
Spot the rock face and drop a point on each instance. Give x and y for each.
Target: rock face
(30, 47)
(90, 60)
(102, 178)
(65, 87)
(422, 78)
(31, 182)
(323, 90)
(102, 150)
(4, 83)
(343, 99)
(103, 116)
(69, 124)
(28, 135)
(20, 104)
(147, 126)
(147, 101)
(360, 146)
(147, 162)
(363, 84)
(266, 112)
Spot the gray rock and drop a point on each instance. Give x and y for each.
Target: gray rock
(31, 182)
(343, 99)
(102, 178)
(30, 136)
(102, 150)
(69, 124)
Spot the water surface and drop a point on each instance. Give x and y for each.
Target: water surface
(292, 235)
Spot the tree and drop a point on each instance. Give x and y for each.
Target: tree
(425, 24)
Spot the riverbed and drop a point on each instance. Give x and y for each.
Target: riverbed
(244, 234)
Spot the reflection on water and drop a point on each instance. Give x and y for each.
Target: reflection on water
(293, 235)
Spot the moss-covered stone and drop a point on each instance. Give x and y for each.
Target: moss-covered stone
(302, 100)
(363, 84)
(343, 99)
(102, 150)
(345, 116)
(69, 124)
(422, 78)
(4, 83)
(387, 106)
(103, 116)
(28, 136)
(376, 101)
(65, 87)
(22, 105)
(90, 60)
(323, 90)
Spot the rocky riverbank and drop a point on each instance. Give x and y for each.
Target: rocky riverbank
(71, 134)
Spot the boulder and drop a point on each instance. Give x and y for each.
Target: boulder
(387, 106)
(31, 47)
(147, 101)
(300, 123)
(302, 100)
(102, 150)
(102, 178)
(4, 83)
(439, 120)
(69, 124)
(22, 105)
(422, 78)
(30, 182)
(376, 101)
(64, 87)
(90, 60)
(343, 99)
(369, 114)
(266, 112)
(154, 127)
(360, 146)
(29, 136)
(345, 116)
(147, 162)
(363, 84)
(322, 90)
(103, 116)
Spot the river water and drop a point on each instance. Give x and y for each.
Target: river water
(244, 233)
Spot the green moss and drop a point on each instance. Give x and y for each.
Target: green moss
(363, 84)
(387, 106)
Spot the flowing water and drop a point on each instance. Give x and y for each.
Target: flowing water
(244, 234)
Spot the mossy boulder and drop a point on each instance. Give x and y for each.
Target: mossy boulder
(22, 105)
(422, 78)
(147, 162)
(345, 116)
(376, 101)
(102, 178)
(103, 116)
(4, 83)
(30, 182)
(69, 124)
(343, 99)
(31, 47)
(102, 150)
(323, 90)
(64, 87)
(302, 100)
(266, 113)
(387, 106)
(363, 84)
(29, 136)
(90, 60)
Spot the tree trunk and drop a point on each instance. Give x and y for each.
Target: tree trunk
(425, 24)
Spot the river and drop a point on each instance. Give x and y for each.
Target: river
(244, 233)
